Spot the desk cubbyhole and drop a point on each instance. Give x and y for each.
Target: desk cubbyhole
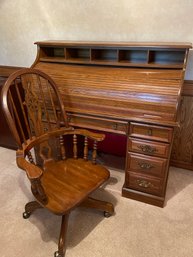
(166, 57)
(79, 54)
(133, 56)
(104, 55)
(51, 52)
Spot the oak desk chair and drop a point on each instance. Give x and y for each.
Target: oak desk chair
(60, 179)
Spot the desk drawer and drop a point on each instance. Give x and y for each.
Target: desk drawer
(148, 147)
(150, 132)
(84, 121)
(146, 165)
(145, 184)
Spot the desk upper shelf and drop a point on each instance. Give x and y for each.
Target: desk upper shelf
(164, 55)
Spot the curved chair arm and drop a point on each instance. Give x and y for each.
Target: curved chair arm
(34, 174)
(83, 132)
(32, 171)
(61, 132)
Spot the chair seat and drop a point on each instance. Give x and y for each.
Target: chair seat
(67, 183)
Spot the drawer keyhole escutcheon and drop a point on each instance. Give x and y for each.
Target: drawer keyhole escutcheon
(147, 148)
(115, 126)
(149, 132)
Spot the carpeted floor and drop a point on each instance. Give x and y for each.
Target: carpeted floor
(136, 230)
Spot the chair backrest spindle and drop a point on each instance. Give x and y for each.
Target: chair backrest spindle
(85, 148)
(75, 146)
(44, 102)
(16, 118)
(52, 103)
(94, 153)
(62, 148)
(30, 157)
(22, 109)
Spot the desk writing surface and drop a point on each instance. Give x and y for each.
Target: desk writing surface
(147, 94)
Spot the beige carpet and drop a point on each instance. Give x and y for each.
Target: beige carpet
(136, 230)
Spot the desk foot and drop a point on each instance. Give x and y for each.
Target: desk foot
(143, 197)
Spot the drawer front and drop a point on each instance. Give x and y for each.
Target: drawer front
(118, 127)
(146, 165)
(144, 184)
(148, 147)
(150, 132)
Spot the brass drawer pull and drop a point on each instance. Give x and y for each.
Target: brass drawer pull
(144, 183)
(145, 165)
(147, 148)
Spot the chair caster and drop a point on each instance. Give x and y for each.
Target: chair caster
(56, 254)
(107, 214)
(26, 215)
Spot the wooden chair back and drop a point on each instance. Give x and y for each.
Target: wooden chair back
(32, 105)
(35, 113)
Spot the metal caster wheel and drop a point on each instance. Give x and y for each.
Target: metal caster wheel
(107, 214)
(26, 215)
(56, 254)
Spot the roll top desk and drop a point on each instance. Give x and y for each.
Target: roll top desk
(131, 89)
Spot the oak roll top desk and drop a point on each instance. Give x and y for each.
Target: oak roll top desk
(131, 89)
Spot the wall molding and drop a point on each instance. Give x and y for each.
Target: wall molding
(5, 71)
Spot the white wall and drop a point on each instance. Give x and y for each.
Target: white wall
(22, 22)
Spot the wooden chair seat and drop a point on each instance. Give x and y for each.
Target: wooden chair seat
(67, 183)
